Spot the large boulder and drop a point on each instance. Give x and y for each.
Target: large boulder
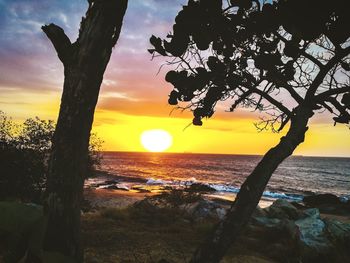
(282, 209)
(200, 188)
(259, 212)
(328, 203)
(205, 209)
(303, 231)
(321, 199)
(273, 237)
(313, 242)
(338, 233)
(266, 222)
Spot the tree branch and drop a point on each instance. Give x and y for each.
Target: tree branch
(311, 58)
(302, 51)
(331, 92)
(274, 102)
(338, 106)
(59, 40)
(284, 123)
(240, 99)
(324, 71)
(293, 93)
(265, 94)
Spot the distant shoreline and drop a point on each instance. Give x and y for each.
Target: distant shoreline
(224, 154)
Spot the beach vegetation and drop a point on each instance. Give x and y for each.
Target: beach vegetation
(24, 155)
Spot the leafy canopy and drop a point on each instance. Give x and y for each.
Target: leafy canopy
(260, 55)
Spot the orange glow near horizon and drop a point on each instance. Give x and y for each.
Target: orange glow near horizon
(226, 136)
(225, 133)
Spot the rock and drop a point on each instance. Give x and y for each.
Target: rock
(205, 209)
(328, 203)
(115, 187)
(321, 199)
(302, 232)
(266, 221)
(272, 237)
(340, 209)
(311, 212)
(198, 187)
(222, 202)
(298, 205)
(291, 230)
(282, 209)
(313, 241)
(259, 212)
(221, 212)
(111, 182)
(338, 232)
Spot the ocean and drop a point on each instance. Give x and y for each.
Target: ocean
(295, 177)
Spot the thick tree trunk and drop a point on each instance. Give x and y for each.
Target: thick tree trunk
(227, 231)
(84, 64)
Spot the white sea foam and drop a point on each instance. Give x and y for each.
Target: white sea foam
(275, 195)
(123, 186)
(158, 181)
(344, 198)
(222, 188)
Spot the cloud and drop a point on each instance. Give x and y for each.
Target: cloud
(118, 95)
(131, 84)
(134, 107)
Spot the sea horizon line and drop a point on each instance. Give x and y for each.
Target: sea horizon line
(232, 154)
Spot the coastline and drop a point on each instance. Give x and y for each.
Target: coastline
(135, 187)
(132, 226)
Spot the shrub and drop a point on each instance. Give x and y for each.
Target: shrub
(178, 197)
(24, 152)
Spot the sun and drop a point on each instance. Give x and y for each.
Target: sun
(156, 140)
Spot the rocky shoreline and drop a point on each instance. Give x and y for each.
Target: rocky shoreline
(292, 229)
(314, 230)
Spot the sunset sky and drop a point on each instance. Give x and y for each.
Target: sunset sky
(133, 97)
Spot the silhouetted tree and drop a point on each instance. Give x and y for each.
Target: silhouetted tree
(259, 55)
(84, 64)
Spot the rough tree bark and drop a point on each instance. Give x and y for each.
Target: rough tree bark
(84, 64)
(215, 247)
